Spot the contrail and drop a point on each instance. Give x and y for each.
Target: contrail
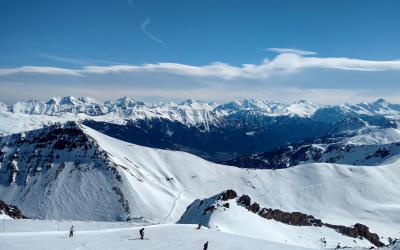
(143, 25)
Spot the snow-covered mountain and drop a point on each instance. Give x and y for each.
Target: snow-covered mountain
(368, 146)
(73, 172)
(195, 113)
(216, 132)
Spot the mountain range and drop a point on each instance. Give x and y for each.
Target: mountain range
(300, 175)
(216, 132)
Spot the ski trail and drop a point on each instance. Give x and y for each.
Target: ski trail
(174, 206)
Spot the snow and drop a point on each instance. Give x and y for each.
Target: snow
(158, 185)
(302, 108)
(336, 193)
(163, 237)
(374, 135)
(189, 112)
(3, 216)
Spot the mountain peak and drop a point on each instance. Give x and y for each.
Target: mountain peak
(126, 101)
(63, 100)
(382, 102)
(188, 102)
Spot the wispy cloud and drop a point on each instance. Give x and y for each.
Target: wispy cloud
(39, 70)
(283, 64)
(77, 61)
(144, 25)
(131, 3)
(292, 51)
(64, 59)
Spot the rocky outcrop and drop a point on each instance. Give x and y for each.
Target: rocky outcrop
(301, 219)
(293, 218)
(11, 211)
(228, 195)
(358, 230)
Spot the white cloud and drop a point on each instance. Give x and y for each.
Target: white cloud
(292, 51)
(39, 70)
(144, 25)
(283, 63)
(77, 61)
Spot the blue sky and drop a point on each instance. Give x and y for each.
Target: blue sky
(324, 51)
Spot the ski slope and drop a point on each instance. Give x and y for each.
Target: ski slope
(162, 237)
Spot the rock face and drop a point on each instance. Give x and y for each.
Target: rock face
(60, 172)
(358, 230)
(294, 218)
(228, 195)
(11, 211)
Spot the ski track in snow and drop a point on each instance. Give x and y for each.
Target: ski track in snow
(174, 206)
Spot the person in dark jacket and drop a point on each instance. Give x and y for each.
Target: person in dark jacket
(141, 232)
(205, 246)
(71, 231)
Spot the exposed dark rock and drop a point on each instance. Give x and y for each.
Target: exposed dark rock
(359, 230)
(11, 211)
(244, 200)
(210, 208)
(226, 205)
(255, 207)
(294, 218)
(228, 195)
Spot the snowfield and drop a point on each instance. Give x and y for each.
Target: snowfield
(335, 193)
(163, 237)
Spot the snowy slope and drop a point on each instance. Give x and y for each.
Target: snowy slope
(232, 217)
(158, 185)
(367, 146)
(162, 237)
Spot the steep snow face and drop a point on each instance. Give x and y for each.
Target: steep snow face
(58, 172)
(111, 176)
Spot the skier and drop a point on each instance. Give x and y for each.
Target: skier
(205, 246)
(141, 232)
(199, 226)
(71, 231)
